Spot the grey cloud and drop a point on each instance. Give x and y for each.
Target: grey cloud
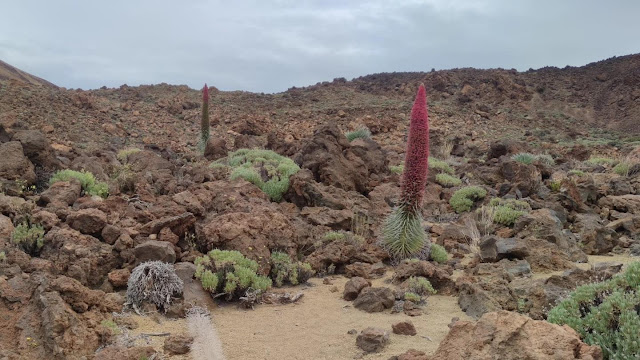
(269, 46)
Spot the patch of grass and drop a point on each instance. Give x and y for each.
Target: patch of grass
(334, 235)
(575, 172)
(86, 179)
(264, 168)
(3, 256)
(29, 237)
(555, 186)
(524, 158)
(545, 159)
(463, 199)
(440, 166)
(112, 326)
(283, 269)
(595, 160)
(413, 297)
(447, 180)
(606, 314)
(362, 133)
(507, 211)
(438, 254)
(622, 168)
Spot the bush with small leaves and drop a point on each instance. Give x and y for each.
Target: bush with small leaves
(511, 203)
(361, 133)
(264, 168)
(420, 285)
(112, 326)
(545, 159)
(283, 269)
(555, 186)
(463, 199)
(524, 158)
(29, 237)
(413, 297)
(440, 166)
(447, 180)
(123, 155)
(575, 173)
(396, 169)
(606, 314)
(3, 256)
(155, 282)
(86, 179)
(506, 216)
(228, 272)
(334, 235)
(438, 254)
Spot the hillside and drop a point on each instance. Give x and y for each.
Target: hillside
(8, 72)
(267, 244)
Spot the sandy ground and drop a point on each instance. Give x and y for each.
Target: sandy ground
(316, 326)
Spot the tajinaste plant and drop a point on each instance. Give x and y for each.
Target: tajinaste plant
(403, 235)
(204, 123)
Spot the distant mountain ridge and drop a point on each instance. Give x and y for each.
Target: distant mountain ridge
(8, 72)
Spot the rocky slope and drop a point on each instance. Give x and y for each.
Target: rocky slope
(8, 72)
(166, 203)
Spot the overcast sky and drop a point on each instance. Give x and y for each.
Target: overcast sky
(271, 45)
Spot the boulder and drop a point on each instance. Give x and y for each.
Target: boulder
(353, 287)
(177, 344)
(119, 278)
(154, 250)
(37, 148)
(493, 249)
(372, 339)
(374, 299)
(509, 336)
(595, 236)
(524, 178)
(624, 203)
(438, 275)
(6, 228)
(215, 149)
(87, 221)
(14, 165)
(63, 192)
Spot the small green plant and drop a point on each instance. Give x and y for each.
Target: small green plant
(283, 269)
(555, 186)
(361, 133)
(86, 179)
(511, 203)
(228, 272)
(545, 159)
(3, 256)
(420, 285)
(438, 254)
(440, 166)
(447, 180)
(463, 199)
(413, 297)
(264, 168)
(334, 235)
(112, 326)
(524, 158)
(575, 172)
(396, 169)
(622, 168)
(606, 314)
(596, 160)
(123, 155)
(29, 237)
(217, 165)
(506, 216)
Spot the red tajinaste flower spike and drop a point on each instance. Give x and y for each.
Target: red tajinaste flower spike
(204, 122)
(416, 162)
(205, 93)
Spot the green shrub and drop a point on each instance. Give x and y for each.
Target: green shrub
(283, 269)
(264, 168)
(334, 235)
(86, 179)
(413, 297)
(555, 186)
(595, 160)
(362, 133)
(440, 166)
(3, 256)
(606, 314)
(506, 216)
(447, 180)
(462, 200)
(29, 237)
(112, 326)
(511, 203)
(576, 172)
(622, 168)
(398, 169)
(545, 159)
(420, 285)
(438, 254)
(123, 155)
(229, 273)
(524, 158)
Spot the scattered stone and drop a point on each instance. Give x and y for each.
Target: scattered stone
(155, 250)
(374, 299)
(372, 339)
(118, 278)
(353, 287)
(411, 309)
(87, 221)
(404, 328)
(352, 332)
